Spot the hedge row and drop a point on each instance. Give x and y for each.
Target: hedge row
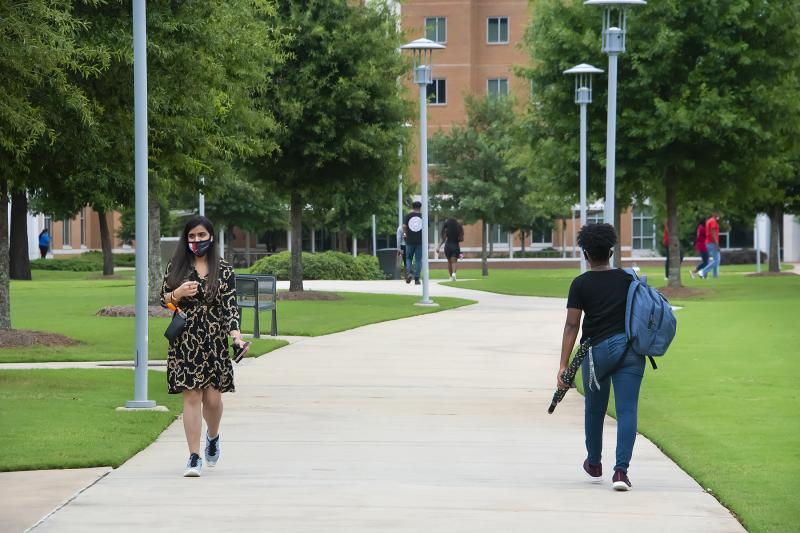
(86, 262)
(325, 265)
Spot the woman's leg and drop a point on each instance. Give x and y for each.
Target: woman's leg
(454, 261)
(627, 382)
(212, 410)
(596, 404)
(192, 419)
(450, 266)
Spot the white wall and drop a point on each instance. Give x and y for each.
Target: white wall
(791, 238)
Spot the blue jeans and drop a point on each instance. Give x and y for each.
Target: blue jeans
(412, 251)
(713, 252)
(627, 379)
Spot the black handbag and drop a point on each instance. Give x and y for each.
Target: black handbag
(175, 327)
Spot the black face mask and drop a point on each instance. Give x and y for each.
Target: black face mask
(199, 248)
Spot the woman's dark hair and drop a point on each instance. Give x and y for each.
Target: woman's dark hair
(597, 240)
(183, 258)
(453, 230)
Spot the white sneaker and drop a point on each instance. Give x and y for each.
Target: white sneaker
(453, 276)
(194, 467)
(212, 451)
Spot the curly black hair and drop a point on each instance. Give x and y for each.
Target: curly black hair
(597, 240)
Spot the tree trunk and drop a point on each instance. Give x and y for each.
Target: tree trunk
(484, 238)
(154, 273)
(296, 274)
(19, 260)
(522, 242)
(674, 248)
(491, 241)
(617, 247)
(775, 215)
(5, 289)
(105, 243)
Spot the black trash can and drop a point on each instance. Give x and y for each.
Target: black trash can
(389, 262)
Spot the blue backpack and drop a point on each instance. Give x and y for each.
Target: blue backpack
(649, 321)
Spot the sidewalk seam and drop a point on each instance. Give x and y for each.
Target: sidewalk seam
(66, 502)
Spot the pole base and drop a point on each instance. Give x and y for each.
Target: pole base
(427, 303)
(139, 405)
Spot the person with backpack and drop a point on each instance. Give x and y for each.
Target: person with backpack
(600, 295)
(452, 235)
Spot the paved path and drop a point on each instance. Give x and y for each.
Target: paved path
(434, 423)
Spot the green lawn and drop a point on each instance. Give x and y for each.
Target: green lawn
(67, 418)
(66, 303)
(724, 403)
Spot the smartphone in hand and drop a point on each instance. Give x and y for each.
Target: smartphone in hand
(240, 351)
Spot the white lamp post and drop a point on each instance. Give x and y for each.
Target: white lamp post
(583, 97)
(614, 11)
(422, 50)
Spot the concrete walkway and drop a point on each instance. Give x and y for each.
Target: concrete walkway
(432, 423)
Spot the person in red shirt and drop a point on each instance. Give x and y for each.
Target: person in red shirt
(702, 249)
(665, 243)
(712, 243)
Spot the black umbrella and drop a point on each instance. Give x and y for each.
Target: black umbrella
(569, 374)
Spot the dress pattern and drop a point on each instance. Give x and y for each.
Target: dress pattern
(198, 358)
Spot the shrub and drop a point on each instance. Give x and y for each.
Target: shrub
(86, 262)
(326, 265)
(740, 257)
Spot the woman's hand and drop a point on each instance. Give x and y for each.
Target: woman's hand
(559, 383)
(187, 289)
(237, 338)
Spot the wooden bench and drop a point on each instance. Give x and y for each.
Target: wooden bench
(259, 293)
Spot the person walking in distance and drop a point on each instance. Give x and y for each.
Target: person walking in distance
(600, 295)
(412, 232)
(712, 244)
(701, 247)
(44, 242)
(452, 235)
(203, 286)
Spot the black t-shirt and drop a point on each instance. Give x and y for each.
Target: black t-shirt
(414, 223)
(602, 296)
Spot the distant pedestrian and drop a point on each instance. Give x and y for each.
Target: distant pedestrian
(44, 242)
(401, 245)
(452, 235)
(701, 248)
(412, 232)
(203, 286)
(600, 295)
(712, 243)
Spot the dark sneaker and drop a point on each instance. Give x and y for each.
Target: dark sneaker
(408, 278)
(212, 451)
(194, 467)
(620, 481)
(416, 281)
(595, 472)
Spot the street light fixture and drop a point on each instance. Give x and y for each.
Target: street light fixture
(614, 11)
(422, 50)
(583, 97)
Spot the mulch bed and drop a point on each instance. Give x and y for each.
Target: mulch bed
(18, 338)
(682, 292)
(130, 311)
(770, 274)
(308, 295)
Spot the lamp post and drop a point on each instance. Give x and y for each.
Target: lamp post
(583, 97)
(422, 50)
(613, 45)
(140, 400)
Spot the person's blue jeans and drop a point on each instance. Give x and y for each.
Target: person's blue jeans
(626, 379)
(412, 251)
(713, 252)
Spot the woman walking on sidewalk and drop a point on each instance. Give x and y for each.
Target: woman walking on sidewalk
(198, 366)
(600, 295)
(452, 235)
(702, 249)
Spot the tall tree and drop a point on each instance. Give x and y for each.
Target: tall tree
(38, 50)
(476, 178)
(703, 89)
(337, 99)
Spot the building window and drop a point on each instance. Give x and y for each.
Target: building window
(497, 87)
(437, 92)
(644, 229)
(498, 234)
(48, 225)
(497, 30)
(594, 217)
(66, 237)
(436, 29)
(83, 227)
(542, 232)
